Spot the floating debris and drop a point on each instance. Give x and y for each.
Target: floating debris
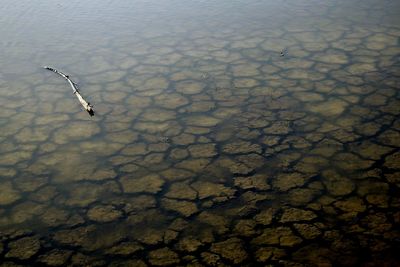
(86, 105)
(205, 76)
(165, 139)
(267, 161)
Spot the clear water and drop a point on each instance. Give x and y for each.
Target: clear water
(226, 133)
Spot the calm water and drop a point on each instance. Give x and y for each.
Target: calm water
(226, 133)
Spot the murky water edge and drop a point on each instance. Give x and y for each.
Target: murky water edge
(225, 134)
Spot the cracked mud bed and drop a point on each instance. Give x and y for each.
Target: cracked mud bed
(226, 133)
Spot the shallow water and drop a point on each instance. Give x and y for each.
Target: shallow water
(226, 133)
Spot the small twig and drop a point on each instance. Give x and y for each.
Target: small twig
(74, 86)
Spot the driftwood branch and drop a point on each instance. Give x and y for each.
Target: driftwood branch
(86, 105)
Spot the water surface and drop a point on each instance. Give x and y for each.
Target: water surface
(226, 133)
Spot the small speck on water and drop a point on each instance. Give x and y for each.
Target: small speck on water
(165, 139)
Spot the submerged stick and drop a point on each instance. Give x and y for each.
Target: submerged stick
(86, 105)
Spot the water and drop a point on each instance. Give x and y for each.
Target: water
(226, 133)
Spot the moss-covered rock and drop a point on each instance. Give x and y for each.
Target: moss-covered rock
(55, 257)
(104, 213)
(240, 147)
(231, 249)
(295, 215)
(277, 236)
(208, 189)
(24, 248)
(186, 208)
(163, 257)
(151, 183)
(8, 194)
